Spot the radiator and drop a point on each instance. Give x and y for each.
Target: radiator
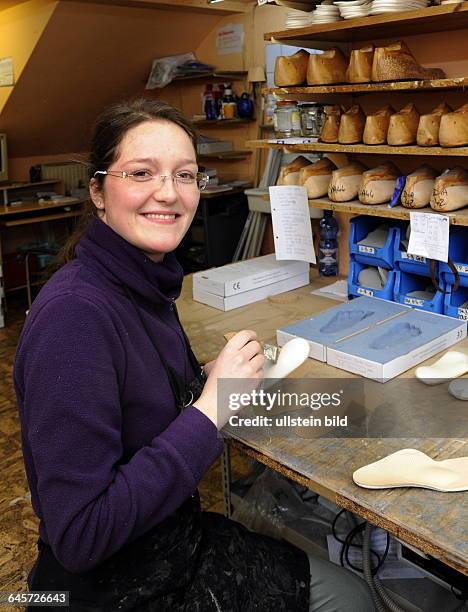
(73, 174)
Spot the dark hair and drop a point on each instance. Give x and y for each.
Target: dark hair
(109, 130)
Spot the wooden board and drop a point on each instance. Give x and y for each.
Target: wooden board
(221, 122)
(226, 155)
(399, 86)
(355, 207)
(406, 23)
(34, 206)
(362, 149)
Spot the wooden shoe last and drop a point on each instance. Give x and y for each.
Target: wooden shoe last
(454, 128)
(344, 184)
(428, 129)
(291, 70)
(327, 68)
(395, 62)
(450, 190)
(378, 184)
(360, 65)
(331, 124)
(316, 177)
(418, 187)
(403, 126)
(376, 128)
(289, 174)
(352, 125)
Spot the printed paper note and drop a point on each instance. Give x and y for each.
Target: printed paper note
(429, 235)
(292, 229)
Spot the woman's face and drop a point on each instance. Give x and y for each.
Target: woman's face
(154, 215)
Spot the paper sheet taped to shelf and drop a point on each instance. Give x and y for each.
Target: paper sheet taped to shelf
(291, 223)
(429, 235)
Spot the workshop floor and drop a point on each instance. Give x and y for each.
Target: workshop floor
(18, 524)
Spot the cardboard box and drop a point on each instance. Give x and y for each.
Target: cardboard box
(376, 338)
(243, 276)
(229, 302)
(327, 328)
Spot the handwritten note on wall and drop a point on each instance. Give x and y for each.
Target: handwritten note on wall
(292, 230)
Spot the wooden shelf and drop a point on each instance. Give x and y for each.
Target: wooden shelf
(221, 122)
(33, 206)
(399, 86)
(362, 149)
(226, 155)
(407, 23)
(228, 75)
(459, 217)
(42, 218)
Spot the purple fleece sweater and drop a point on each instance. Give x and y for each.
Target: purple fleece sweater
(107, 456)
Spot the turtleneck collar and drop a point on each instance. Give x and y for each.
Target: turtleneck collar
(102, 247)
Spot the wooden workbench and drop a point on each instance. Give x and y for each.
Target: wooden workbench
(434, 522)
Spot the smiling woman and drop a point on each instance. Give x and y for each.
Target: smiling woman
(119, 422)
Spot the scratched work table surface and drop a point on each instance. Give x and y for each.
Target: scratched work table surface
(434, 522)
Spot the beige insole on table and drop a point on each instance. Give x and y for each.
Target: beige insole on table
(412, 468)
(451, 365)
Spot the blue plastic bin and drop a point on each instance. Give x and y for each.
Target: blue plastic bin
(360, 227)
(458, 253)
(454, 300)
(412, 264)
(356, 290)
(406, 283)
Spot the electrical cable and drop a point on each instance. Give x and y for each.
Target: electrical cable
(347, 543)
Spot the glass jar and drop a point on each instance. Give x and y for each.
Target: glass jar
(286, 119)
(311, 118)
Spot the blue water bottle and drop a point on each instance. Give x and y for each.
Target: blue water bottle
(328, 247)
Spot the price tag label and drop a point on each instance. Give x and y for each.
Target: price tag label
(366, 249)
(367, 292)
(418, 258)
(414, 302)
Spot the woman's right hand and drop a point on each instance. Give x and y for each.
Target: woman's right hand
(242, 358)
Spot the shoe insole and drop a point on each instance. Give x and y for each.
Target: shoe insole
(397, 334)
(412, 468)
(292, 355)
(343, 320)
(451, 365)
(459, 389)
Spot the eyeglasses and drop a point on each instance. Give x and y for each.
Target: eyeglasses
(179, 179)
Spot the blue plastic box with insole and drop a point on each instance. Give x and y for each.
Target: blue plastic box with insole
(380, 345)
(339, 322)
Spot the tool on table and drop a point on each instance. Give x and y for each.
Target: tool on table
(270, 351)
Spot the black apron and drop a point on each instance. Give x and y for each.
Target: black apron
(192, 561)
